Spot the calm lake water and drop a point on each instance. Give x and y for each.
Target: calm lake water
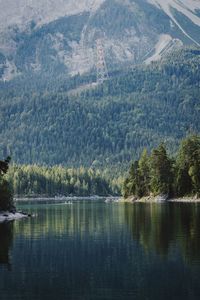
(93, 250)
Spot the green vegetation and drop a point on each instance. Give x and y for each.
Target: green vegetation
(35, 180)
(100, 128)
(157, 173)
(6, 197)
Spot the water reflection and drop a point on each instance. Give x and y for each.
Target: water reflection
(161, 228)
(98, 251)
(69, 252)
(80, 219)
(6, 239)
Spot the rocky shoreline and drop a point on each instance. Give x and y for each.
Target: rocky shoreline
(160, 199)
(50, 198)
(6, 216)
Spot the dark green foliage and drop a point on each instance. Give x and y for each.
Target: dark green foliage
(160, 171)
(100, 127)
(114, 17)
(188, 166)
(4, 164)
(6, 197)
(51, 181)
(144, 170)
(131, 184)
(159, 174)
(138, 181)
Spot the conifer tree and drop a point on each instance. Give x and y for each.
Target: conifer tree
(188, 166)
(161, 171)
(6, 197)
(144, 171)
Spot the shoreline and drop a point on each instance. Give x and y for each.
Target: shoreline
(185, 200)
(160, 199)
(131, 199)
(61, 198)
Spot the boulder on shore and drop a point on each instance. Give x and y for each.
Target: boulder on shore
(6, 216)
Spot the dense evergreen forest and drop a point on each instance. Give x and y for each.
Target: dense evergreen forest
(158, 173)
(103, 126)
(6, 196)
(33, 180)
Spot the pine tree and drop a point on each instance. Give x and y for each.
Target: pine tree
(161, 172)
(144, 171)
(6, 197)
(188, 166)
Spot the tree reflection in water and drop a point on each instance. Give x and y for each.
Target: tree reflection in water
(160, 228)
(6, 238)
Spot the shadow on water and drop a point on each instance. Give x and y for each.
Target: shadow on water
(6, 239)
(159, 228)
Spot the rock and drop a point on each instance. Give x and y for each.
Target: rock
(133, 199)
(11, 216)
(162, 198)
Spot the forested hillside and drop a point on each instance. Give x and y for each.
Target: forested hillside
(33, 180)
(107, 125)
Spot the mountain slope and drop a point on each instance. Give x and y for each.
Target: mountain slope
(53, 37)
(187, 8)
(108, 124)
(22, 12)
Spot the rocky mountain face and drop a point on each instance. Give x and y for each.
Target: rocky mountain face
(59, 36)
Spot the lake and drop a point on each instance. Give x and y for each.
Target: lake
(95, 250)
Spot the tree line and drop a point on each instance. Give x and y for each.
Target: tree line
(158, 173)
(34, 180)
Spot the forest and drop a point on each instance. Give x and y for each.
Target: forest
(154, 173)
(106, 126)
(34, 180)
(158, 173)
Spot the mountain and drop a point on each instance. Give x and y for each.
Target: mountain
(51, 109)
(106, 125)
(47, 38)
